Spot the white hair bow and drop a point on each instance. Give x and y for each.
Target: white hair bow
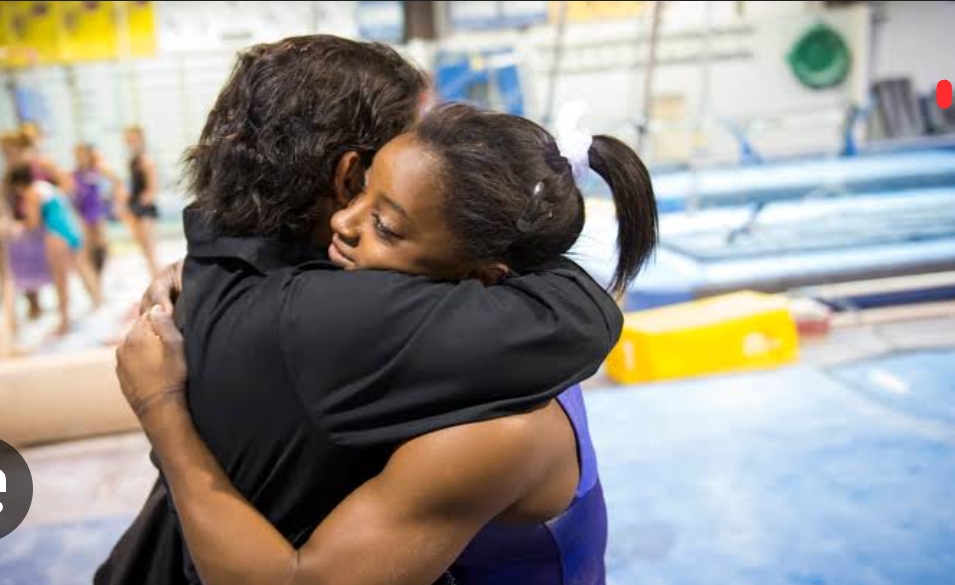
(574, 142)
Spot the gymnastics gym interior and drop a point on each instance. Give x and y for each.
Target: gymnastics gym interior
(780, 408)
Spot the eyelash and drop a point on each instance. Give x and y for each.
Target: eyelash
(382, 229)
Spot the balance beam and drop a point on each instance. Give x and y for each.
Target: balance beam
(59, 397)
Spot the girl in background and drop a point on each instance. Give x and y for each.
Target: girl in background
(41, 207)
(141, 210)
(26, 248)
(7, 288)
(90, 201)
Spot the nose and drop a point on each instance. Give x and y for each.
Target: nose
(346, 222)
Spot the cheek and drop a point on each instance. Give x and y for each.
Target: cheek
(372, 253)
(400, 257)
(436, 261)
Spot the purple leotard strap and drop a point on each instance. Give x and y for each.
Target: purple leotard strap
(568, 549)
(572, 401)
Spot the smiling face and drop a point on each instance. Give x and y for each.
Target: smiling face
(398, 222)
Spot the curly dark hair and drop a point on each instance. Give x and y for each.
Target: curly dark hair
(267, 155)
(511, 197)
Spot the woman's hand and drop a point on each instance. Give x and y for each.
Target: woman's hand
(151, 364)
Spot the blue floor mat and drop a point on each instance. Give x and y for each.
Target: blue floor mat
(65, 554)
(920, 384)
(775, 478)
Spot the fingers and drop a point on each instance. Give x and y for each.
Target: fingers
(136, 339)
(146, 302)
(138, 335)
(157, 294)
(164, 326)
(161, 291)
(176, 271)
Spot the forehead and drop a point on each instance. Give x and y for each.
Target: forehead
(407, 172)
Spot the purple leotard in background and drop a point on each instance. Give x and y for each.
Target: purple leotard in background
(568, 550)
(28, 251)
(88, 197)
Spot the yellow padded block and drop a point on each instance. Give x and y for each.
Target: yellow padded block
(737, 331)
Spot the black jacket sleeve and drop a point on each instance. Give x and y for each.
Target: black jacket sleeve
(380, 357)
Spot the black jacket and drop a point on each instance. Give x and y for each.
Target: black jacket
(303, 378)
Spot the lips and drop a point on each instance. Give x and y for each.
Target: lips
(337, 253)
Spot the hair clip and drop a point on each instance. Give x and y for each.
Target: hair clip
(532, 209)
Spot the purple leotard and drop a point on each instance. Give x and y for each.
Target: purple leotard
(88, 198)
(568, 550)
(28, 252)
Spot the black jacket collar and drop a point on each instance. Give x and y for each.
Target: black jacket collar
(262, 253)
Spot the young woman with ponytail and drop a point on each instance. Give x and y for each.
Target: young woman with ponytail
(466, 194)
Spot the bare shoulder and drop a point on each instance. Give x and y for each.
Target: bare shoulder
(488, 445)
(491, 465)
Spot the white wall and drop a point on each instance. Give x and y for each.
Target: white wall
(915, 40)
(189, 27)
(749, 80)
(171, 94)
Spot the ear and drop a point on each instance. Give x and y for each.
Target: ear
(349, 178)
(490, 274)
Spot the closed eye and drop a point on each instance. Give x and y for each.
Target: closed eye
(383, 230)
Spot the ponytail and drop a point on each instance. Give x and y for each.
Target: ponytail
(512, 197)
(629, 182)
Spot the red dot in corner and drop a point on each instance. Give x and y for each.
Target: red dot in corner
(943, 94)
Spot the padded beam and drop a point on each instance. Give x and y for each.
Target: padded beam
(62, 396)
